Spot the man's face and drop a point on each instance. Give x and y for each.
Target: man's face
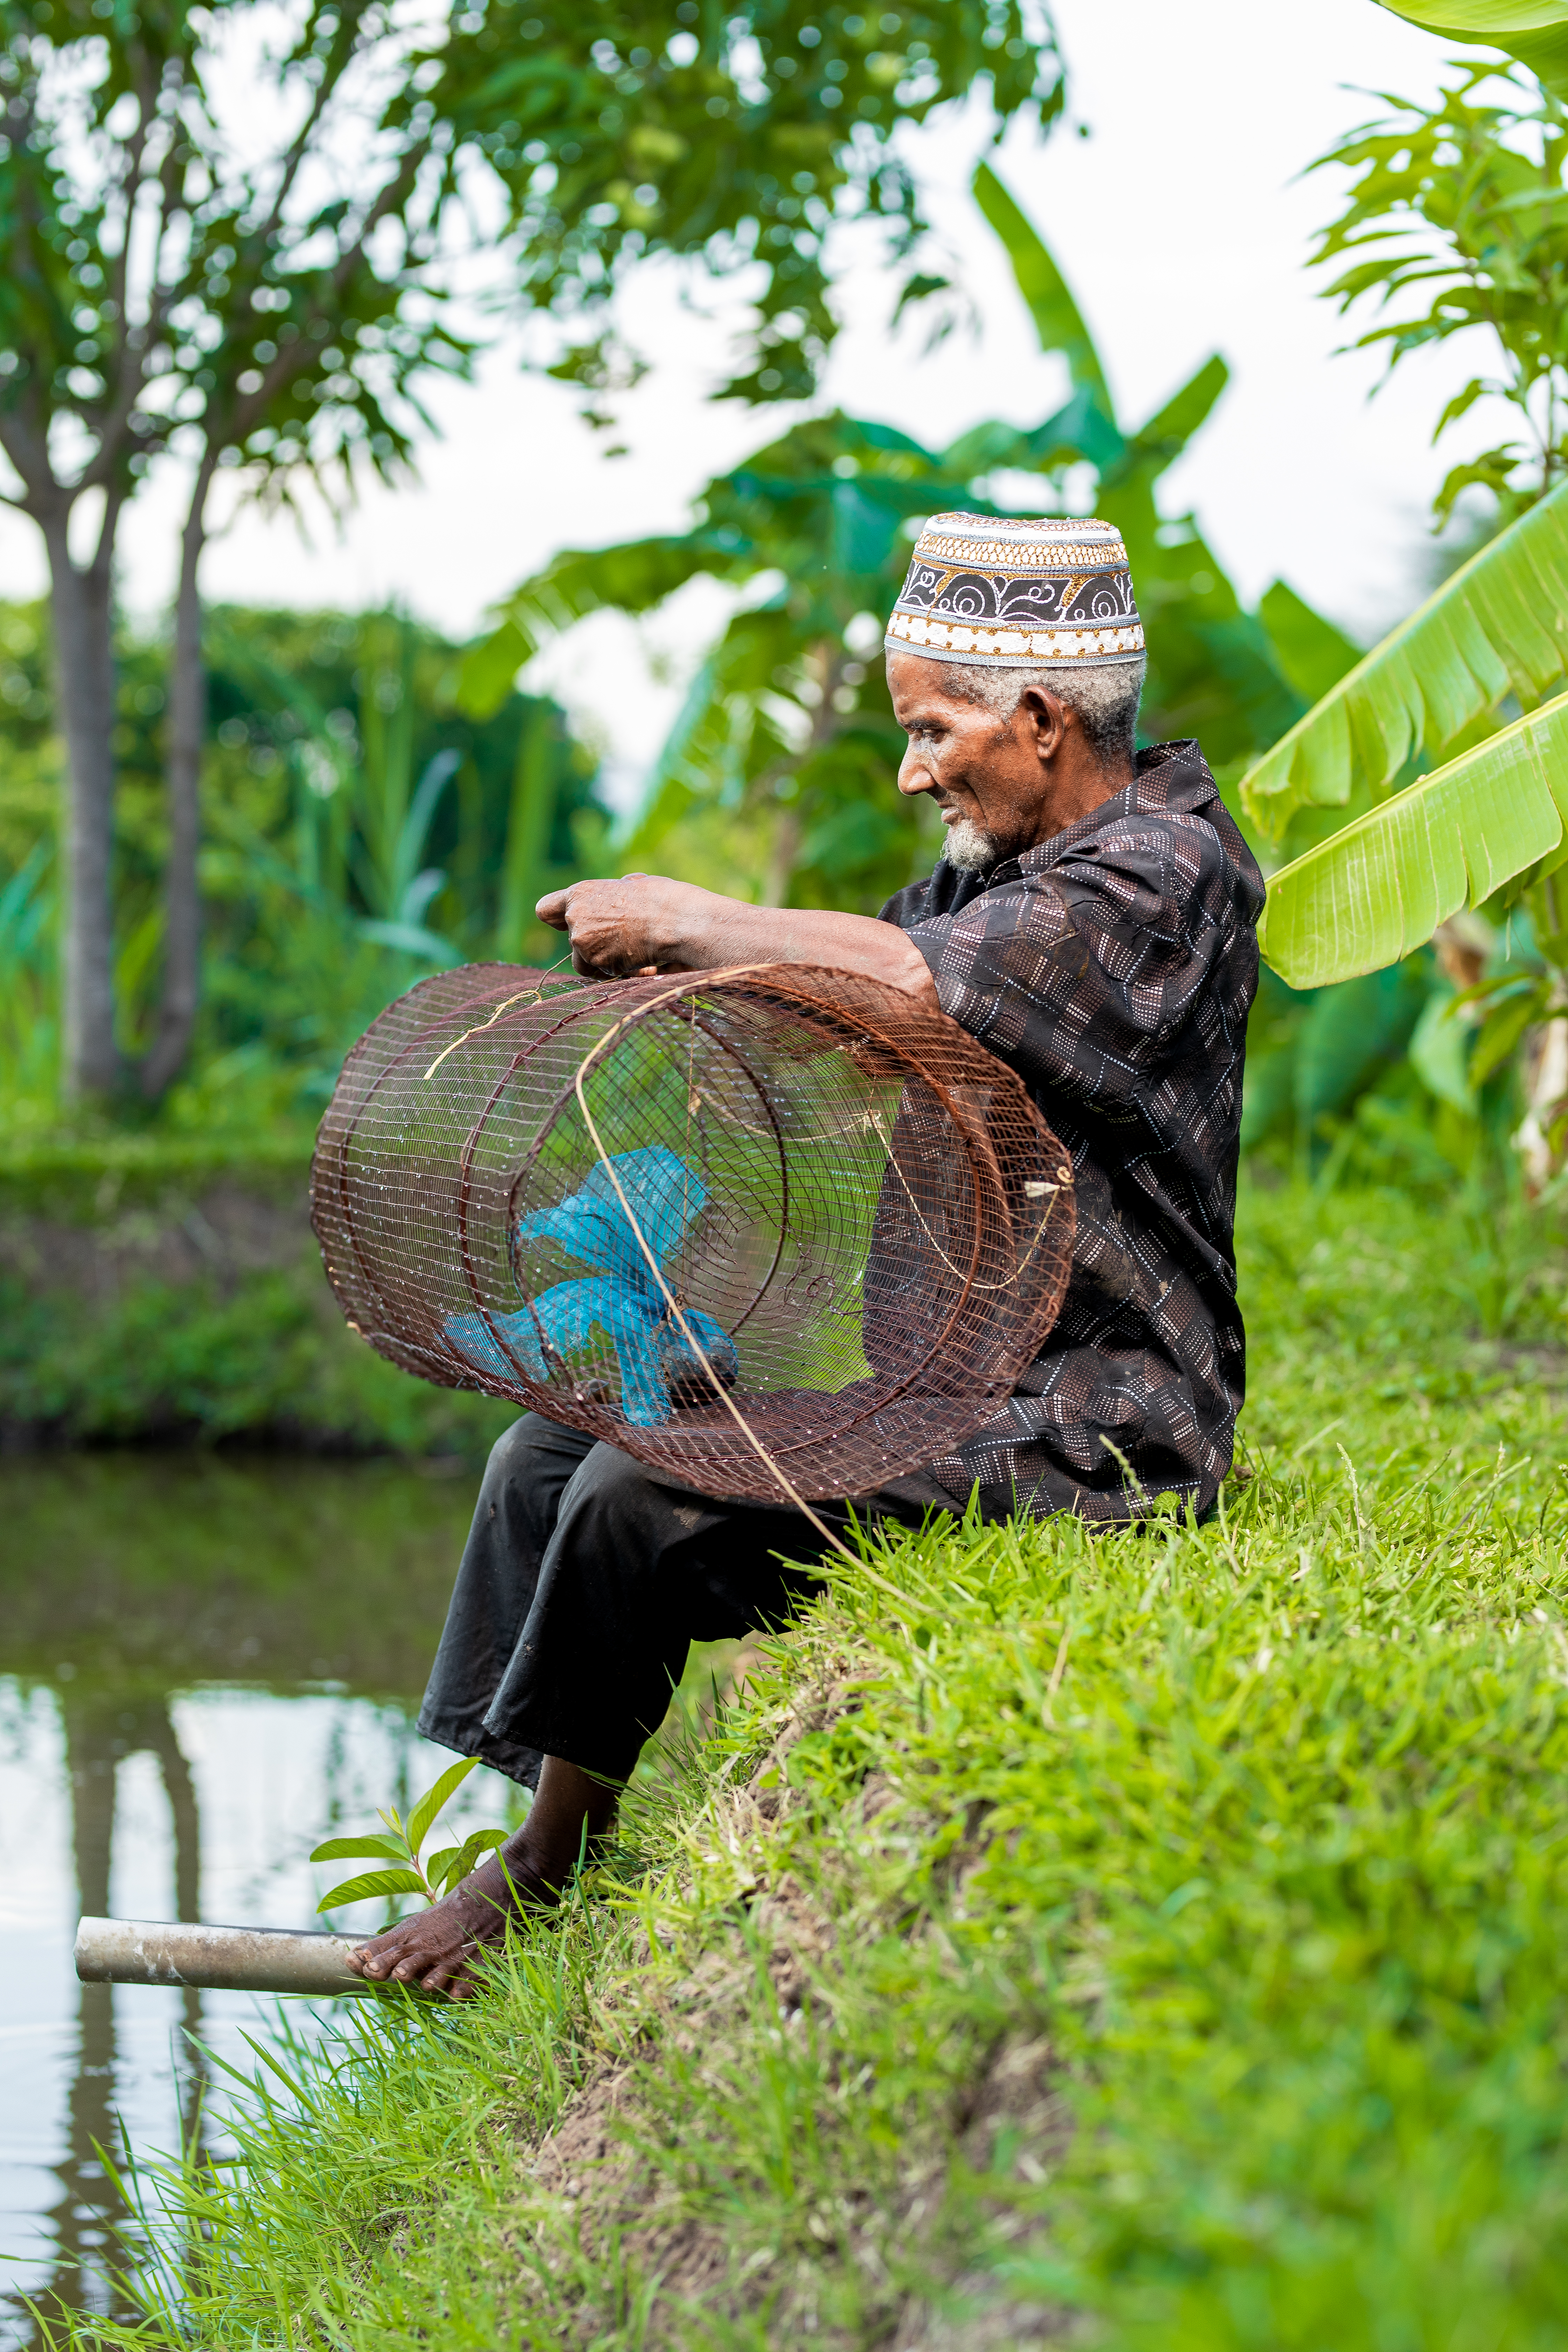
(994, 780)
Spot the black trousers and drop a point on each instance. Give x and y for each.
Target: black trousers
(585, 1581)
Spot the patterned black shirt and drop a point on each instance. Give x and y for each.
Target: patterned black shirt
(1113, 968)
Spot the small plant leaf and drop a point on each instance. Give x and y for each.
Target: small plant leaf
(454, 1862)
(375, 1882)
(365, 1848)
(434, 1799)
(438, 1867)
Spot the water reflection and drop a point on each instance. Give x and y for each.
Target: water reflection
(205, 1669)
(98, 1733)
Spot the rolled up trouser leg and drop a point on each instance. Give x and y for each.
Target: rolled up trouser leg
(585, 1582)
(529, 1469)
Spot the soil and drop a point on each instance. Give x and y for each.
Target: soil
(625, 2210)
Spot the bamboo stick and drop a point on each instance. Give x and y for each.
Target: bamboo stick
(229, 1959)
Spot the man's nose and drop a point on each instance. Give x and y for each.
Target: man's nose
(914, 773)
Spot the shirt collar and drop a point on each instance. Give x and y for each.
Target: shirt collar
(1168, 779)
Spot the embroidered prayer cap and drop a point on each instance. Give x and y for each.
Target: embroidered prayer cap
(1013, 592)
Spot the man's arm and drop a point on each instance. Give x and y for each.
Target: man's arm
(646, 923)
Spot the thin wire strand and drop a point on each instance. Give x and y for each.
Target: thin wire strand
(721, 1391)
(1057, 1190)
(523, 996)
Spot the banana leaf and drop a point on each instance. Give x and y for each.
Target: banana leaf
(1498, 626)
(631, 578)
(1533, 31)
(1313, 655)
(1056, 315)
(1379, 888)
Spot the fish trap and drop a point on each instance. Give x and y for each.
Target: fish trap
(767, 1229)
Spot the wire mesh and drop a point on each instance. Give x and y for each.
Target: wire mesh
(673, 1211)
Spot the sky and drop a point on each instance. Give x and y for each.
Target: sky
(1182, 225)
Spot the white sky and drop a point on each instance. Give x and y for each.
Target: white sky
(1183, 229)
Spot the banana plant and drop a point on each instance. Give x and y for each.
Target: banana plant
(1433, 777)
(400, 1848)
(784, 752)
(1214, 669)
(1486, 828)
(1533, 31)
(1410, 851)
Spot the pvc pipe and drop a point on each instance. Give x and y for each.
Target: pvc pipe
(228, 1959)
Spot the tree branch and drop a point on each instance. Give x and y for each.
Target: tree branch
(103, 554)
(296, 153)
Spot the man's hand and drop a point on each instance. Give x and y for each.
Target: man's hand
(647, 923)
(633, 925)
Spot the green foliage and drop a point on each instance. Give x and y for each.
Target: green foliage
(1310, 1057)
(1380, 886)
(1213, 670)
(275, 307)
(1160, 1938)
(732, 135)
(1533, 31)
(783, 721)
(265, 1358)
(403, 1846)
(1395, 1079)
(360, 827)
(1463, 205)
(1489, 631)
(241, 243)
(779, 776)
(1313, 653)
(1486, 827)
(290, 300)
(402, 808)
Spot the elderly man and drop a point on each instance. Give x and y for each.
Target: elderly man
(1092, 922)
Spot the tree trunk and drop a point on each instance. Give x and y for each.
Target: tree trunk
(84, 676)
(187, 735)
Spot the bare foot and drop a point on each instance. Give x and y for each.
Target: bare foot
(432, 1951)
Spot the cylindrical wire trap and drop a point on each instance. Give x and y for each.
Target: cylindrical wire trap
(738, 1224)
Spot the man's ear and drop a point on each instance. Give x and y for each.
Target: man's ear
(1049, 717)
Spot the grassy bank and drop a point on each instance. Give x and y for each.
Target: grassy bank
(1163, 1939)
(171, 1291)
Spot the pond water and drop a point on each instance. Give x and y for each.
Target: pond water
(205, 1668)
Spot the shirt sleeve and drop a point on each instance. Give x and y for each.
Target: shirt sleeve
(1084, 977)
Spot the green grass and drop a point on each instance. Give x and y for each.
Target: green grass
(252, 1352)
(265, 1358)
(1162, 1937)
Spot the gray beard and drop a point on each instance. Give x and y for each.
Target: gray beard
(969, 849)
